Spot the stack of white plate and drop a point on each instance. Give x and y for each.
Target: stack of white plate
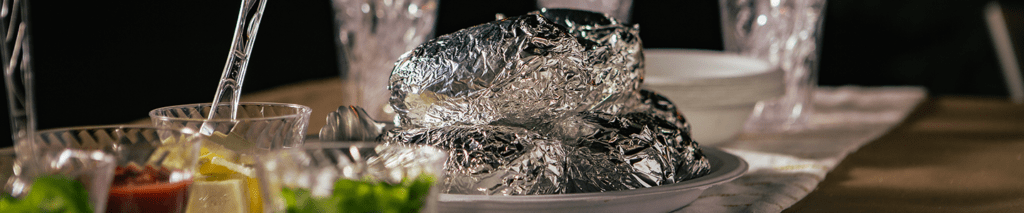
(715, 91)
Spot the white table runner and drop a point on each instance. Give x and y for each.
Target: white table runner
(785, 167)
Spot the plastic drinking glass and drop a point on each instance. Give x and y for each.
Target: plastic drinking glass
(787, 34)
(370, 36)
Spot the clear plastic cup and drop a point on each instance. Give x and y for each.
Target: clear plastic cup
(787, 34)
(226, 179)
(90, 169)
(370, 36)
(123, 168)
(263, 126)
(355, 176)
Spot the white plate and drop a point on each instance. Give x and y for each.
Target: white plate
(715, 91)
(724, 168)
(702, 78)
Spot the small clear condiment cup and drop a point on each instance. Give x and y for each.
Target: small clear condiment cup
(122, 168)
(226, 179)
(354, 177)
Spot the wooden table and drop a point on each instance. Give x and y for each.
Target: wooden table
(952, 154)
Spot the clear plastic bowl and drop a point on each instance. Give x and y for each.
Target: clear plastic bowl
(322, 170)
(93, 154)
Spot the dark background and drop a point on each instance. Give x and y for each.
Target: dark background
(107, 63)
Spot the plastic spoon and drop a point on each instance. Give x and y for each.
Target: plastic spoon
(18, 76)
(230, 88)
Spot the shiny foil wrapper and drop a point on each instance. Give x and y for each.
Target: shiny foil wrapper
(629, 151)
(614, 53)
(489, 159)
(658, 105)
(522, 70)
(544, 103)
(605, 153)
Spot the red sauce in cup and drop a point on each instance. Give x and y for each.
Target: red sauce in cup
(146, 189)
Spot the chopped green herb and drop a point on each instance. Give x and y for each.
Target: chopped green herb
(50, 194)
(362, 196)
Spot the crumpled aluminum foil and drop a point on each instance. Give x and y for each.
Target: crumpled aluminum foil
(614, 152)
(489, 159)
(523, 71)
(631, 150)
(519, 68)
(614, 52)
(658, 105)
(544, 103)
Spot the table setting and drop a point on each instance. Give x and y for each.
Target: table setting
(560, 109)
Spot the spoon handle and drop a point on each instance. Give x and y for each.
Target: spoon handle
(230, 88)
(18, 75)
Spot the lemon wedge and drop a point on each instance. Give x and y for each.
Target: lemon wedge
(211, 150)
(168, 154)
(219, 160)
(220, 166)
(255, 197)
(218, 196)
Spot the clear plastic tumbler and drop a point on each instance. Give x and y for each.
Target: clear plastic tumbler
(787, 34)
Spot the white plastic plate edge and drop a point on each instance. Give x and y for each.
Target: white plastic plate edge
(662, 64)
(725, 167)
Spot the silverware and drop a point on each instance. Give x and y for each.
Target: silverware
(351, 123)
(249, 16)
